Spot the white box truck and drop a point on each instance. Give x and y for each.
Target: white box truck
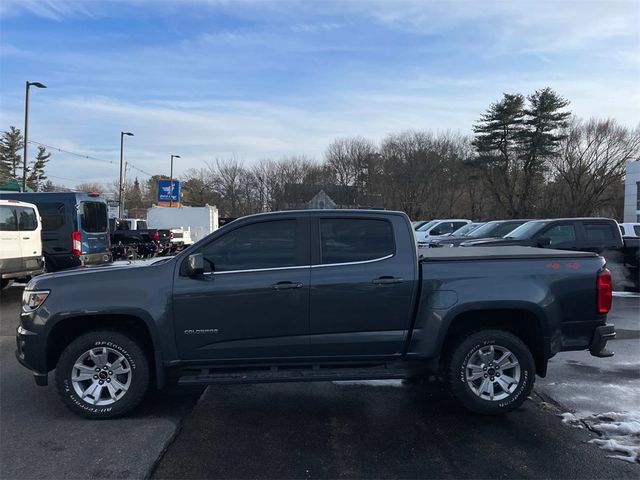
(195, 222)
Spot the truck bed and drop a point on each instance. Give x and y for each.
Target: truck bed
(496, 253)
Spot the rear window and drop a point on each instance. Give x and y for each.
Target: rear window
(636, 228)
(53, 216)
(598, 231)
(142, 225)
(344, 240)
(8, 221)
(27, 219)
(94, 217)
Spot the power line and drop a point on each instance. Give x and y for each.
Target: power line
(88, 157)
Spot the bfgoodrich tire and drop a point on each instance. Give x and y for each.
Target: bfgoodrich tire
(491, 372)
(102, 374)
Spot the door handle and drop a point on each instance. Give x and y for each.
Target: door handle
(26, 238)
(387, 280)
(286, 285)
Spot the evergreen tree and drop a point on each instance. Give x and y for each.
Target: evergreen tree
(134, 196)
(497, 141)
(37, 174)
(514, 142)
(11, 143)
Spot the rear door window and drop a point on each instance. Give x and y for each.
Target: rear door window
(345, 240)
(94, 217)
(27, 219)
(598, 231)
(8, 221)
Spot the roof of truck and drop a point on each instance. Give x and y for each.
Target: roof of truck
(497, 252)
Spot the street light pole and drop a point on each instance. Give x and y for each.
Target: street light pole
(122, 134)
(171, 184)
(26, 127)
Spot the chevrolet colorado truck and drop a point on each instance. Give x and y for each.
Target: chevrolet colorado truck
(314, 296)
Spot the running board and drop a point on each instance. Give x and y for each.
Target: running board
(284, 373)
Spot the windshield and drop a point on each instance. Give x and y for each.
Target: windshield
(527, 230)
(495, 229)
(466, 230)
(426, 226)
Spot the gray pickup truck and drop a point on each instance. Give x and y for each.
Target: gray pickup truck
(314, 296)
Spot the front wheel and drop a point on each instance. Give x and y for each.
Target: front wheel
(102, 374)
(491, 372)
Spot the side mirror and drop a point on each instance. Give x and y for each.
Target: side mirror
(544, 242)
(195, 265)
(434, 231)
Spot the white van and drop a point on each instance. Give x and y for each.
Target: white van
(20, 241)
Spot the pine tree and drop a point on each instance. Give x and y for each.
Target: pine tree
(10, 159)
(37, 174)
(514, 142)
(498, 138)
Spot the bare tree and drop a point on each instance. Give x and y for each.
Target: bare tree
(590, 167)
(348, 159)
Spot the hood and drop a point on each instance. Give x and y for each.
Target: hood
(107, 268)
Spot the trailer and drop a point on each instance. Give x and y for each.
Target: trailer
(195, 222)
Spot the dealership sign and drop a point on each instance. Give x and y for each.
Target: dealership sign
(168, 195)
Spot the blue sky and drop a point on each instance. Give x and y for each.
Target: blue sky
(267, 79)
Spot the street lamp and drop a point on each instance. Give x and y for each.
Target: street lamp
(171, 184)
(122, 134)
(26, 127)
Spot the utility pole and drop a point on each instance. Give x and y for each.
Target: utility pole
(122, 134)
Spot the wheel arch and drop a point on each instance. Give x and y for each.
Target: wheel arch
(523, 321)
(66, 330)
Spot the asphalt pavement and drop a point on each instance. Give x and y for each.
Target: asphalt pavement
(301, 430)
(40, 438)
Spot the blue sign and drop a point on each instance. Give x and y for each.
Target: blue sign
(164, 191)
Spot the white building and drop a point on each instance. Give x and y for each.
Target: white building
(632, 192)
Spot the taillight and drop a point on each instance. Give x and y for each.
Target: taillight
(156, 237)
(76, 243)
(605, 291)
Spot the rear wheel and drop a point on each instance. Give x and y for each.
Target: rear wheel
(491, 372)
(102, 374)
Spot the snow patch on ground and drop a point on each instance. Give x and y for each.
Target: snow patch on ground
(619, 432)
(626, 294)
(371, 383)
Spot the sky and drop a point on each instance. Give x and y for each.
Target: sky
(259, 79)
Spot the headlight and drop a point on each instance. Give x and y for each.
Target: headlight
(33, 299)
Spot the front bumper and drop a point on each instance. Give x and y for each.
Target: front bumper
(601, 335)
(30, 354)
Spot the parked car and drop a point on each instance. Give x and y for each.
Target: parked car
(630, 229)
(466, 229)
(490, 230)
(314, 296)
(74, 228)
(600, 235)
(437, 228)
(20, 242)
